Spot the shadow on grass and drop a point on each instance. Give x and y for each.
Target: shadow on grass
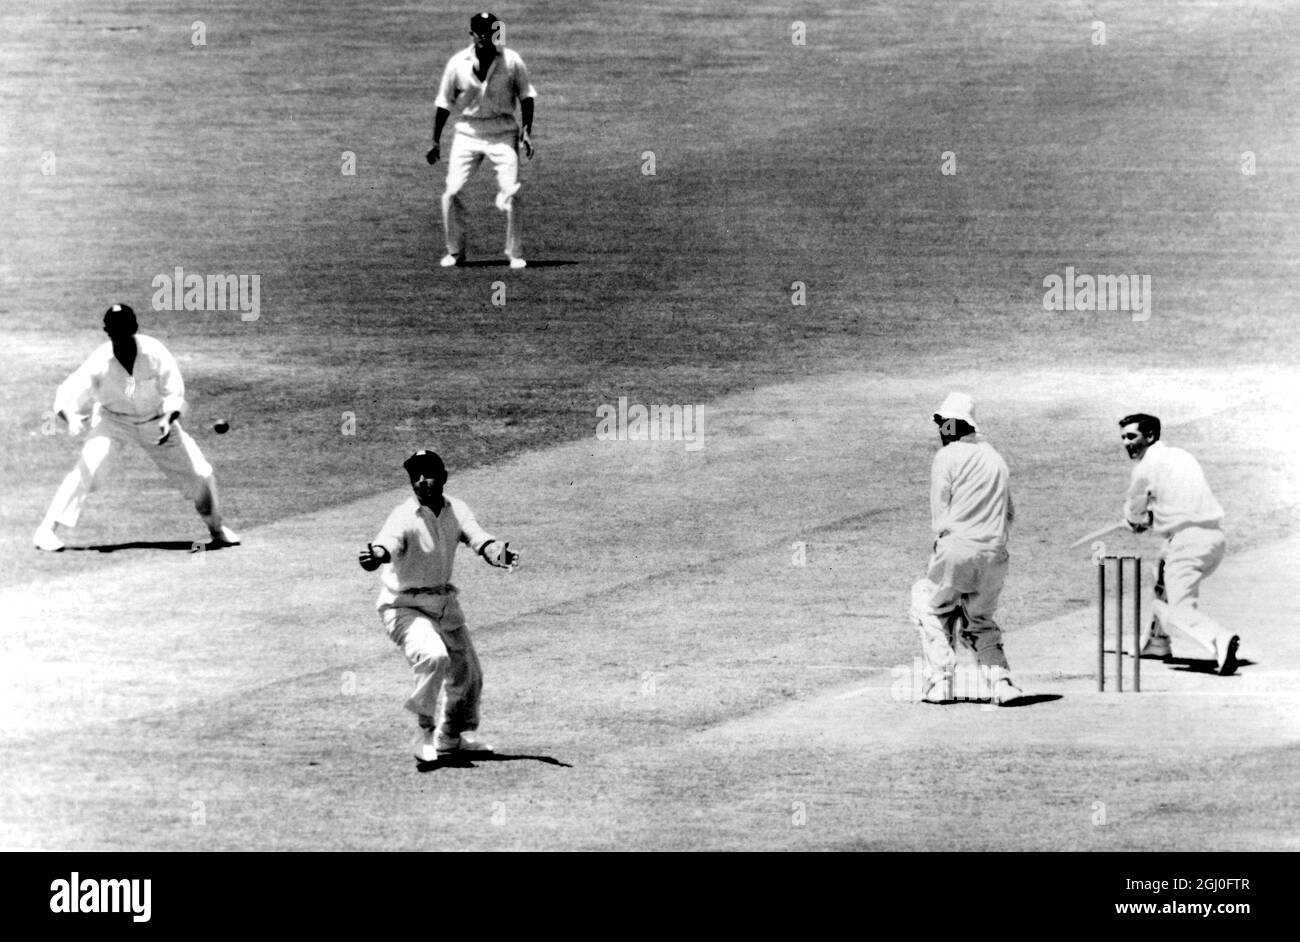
(468, 761)
(1027, 700)
(170, 545)
(1190, 665)
(1031, 700)
(502, 263)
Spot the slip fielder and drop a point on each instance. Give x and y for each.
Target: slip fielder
(483, 82)
(131, 391)
(420, 608)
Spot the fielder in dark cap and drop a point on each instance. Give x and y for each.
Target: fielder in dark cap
(483, 82)
(421, 610)
(130, 391)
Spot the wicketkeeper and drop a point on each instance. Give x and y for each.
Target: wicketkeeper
(421, 611)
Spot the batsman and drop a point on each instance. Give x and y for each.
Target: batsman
(420, 608)
(971, 514)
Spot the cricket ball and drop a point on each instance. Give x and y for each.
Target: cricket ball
(221, 427)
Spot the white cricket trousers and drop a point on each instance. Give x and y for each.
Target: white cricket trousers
(179, 458)
(962, 585)
(467, 153)
(430, 630)
(1186, 558)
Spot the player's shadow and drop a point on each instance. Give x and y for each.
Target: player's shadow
(1031, 700)
(468, 761)
(174, 546)
(1026, 700)
(502, 263)
(1195, 665)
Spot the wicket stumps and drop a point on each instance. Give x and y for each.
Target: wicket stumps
(1119, 622)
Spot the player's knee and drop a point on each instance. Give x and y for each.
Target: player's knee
(427, 662)
(922, 597)
(202, 488)
(508, 198)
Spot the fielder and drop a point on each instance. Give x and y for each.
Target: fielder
(421, 611)
(971, 515)
(1168, 493)
(483, 82)
(131, 391)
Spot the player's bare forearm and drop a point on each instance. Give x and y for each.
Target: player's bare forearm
(439, 122)
(526, 114)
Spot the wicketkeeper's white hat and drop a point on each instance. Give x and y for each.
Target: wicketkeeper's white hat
(958, 405)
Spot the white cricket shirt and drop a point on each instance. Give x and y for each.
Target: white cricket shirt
(1169, 482)
(487, 107)
(153, 387)
(970, 493)
(423, 544)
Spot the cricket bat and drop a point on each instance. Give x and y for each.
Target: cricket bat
(1098, 534)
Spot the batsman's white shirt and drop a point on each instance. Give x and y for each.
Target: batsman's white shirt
(423, 544)
(487, 106)
(1170, 484)
(970, 493)
(154, 386)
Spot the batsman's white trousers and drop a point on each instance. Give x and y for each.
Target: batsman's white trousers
(179, 458)
(430, 630)
(467, 152)
(962, 585)
(1186, 558)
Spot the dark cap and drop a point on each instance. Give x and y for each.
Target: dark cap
(120, 315)
(481, 24)
(425, 462)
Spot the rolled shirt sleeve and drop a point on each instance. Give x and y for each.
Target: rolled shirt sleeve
(171, 387)
(447, 88)
(76, 394)
(392, 535)
(471, 534)
(1138, 499)
(522, 84)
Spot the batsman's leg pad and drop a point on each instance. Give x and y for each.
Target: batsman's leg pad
(935, 628)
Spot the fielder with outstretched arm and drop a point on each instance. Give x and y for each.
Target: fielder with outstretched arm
(1168, 493)
(420, 607)
(971, 514)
